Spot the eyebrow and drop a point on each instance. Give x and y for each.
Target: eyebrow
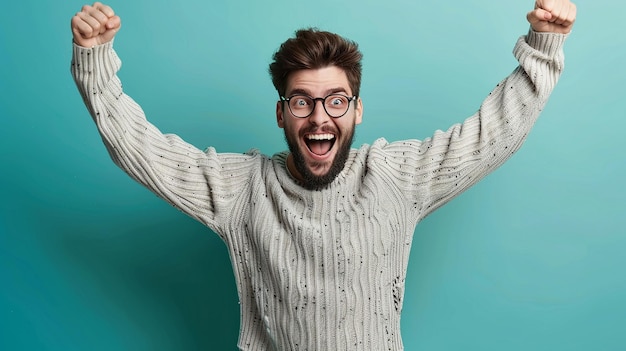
(308, 93)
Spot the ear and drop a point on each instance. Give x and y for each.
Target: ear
(358, 111)
(279, 114)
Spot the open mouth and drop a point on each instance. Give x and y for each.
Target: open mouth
(319, 144)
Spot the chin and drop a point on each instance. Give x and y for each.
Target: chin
(311, 179)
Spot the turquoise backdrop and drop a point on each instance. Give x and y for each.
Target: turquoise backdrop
(529, 259)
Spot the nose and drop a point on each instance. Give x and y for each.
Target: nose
(319, 115)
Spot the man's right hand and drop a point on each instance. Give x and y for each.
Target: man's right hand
(95, 25)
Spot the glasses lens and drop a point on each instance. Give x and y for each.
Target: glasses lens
(301, 105)
(336, 105)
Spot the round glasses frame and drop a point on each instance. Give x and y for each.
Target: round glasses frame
(314, 104)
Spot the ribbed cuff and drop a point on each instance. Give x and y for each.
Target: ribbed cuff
(548, 43)
(95, 65)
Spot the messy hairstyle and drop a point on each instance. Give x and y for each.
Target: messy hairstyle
(314, 49)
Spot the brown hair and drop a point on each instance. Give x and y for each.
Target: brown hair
(313, 49)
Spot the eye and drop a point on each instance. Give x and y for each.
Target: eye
(337, 101)
(299, 102)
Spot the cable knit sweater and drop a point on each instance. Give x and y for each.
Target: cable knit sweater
(320, 270)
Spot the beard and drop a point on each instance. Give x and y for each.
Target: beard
(315, 182)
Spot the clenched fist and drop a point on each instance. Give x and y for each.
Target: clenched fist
(555, 16)
(95, 25)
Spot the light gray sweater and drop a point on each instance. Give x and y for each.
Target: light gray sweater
(320, 270)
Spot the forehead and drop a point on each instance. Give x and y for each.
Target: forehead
(318, 82)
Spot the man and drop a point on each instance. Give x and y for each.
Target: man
(319, 236)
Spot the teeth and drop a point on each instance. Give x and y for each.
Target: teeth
(320, 137)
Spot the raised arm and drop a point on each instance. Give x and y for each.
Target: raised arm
(201, 184)
(433, 171)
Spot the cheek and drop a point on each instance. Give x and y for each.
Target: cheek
(291, 129)
(346, 128)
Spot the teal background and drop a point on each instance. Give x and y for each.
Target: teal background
(529, 259)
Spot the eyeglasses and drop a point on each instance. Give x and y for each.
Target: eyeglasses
(302, 106)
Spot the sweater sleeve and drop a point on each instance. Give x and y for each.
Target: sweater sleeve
(202, 184)
(433, 171)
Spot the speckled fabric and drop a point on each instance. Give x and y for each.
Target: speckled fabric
(325, 269)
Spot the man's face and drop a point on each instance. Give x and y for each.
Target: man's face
(319, 144)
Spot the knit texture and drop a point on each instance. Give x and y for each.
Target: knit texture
(320, 270)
